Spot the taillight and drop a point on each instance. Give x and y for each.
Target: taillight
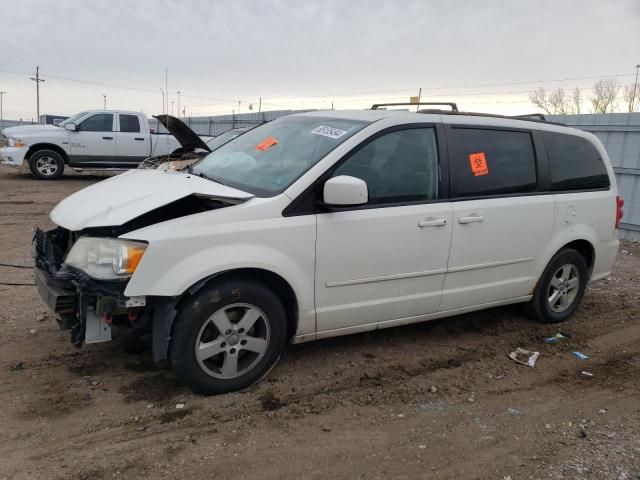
(619, 212)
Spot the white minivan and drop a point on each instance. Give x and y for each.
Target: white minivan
(330, 223)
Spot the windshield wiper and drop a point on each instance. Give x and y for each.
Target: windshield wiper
(204, 175)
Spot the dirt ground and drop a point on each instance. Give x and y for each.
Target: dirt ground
(438, 400)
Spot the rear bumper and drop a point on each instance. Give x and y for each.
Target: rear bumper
(606, 253)
(13, 156)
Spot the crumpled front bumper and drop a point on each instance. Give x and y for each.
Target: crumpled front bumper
(85, 305)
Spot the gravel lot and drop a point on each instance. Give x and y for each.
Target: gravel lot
(437, 400)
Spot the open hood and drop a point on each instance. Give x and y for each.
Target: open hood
(119, 199)
(185, 136)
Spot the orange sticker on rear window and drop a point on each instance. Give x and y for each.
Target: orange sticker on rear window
(478, 164)
(267, 143)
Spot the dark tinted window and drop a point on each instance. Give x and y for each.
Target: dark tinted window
(400, 166)
(492, 162)
(574, 162)
(129, 123)
(101, 122)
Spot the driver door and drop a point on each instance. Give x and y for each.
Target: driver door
(94, 141)
(386, 261)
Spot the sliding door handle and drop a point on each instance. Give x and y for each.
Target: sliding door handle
(107, 138)
(474, 218)
(433, 222)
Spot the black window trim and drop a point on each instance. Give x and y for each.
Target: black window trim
(300, 205)
(539, 154)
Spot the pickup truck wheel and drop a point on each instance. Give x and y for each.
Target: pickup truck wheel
(46, 165)
(227, 337)
(560, 288)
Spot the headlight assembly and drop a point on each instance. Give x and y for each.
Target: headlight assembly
(106, 258)
(16, 142)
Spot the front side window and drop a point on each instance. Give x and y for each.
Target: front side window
(101, 122)
(492, 162)
(267, 159)
(129, 123)
(399, 166)
(574, 163)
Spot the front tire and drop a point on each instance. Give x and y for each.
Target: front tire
(561, 287)
(46, 165)
(228, 336)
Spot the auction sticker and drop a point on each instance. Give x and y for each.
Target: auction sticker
(267, 143)
(328, 131)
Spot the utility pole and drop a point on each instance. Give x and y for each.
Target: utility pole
(37, 79)
(419, 95)
(259, 104)
(171, 107)
(184, 112)
(1, 94)
(635, 89)
(104, 97)
(178, 103)
(166, 87)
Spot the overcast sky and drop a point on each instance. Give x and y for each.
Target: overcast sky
(306, 54)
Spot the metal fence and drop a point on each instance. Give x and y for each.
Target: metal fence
(620, 135)
(221, 123)
(12, 123)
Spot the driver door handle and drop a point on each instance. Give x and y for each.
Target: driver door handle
(473, 218)
(432, 222)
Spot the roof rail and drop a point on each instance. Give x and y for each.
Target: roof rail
(375, 106)
(529, 116)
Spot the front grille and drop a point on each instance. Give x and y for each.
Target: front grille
(3, 141)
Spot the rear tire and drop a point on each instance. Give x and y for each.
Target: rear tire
(561, 287)
(228, 336)
(46, 165)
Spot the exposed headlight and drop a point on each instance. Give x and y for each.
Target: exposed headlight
(16, 142)
(106, 258)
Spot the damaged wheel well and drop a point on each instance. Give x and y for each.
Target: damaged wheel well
(166, 308)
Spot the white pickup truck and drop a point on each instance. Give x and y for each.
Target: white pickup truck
(92, 140)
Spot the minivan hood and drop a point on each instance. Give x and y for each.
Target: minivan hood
(185, 136)
(116, 200)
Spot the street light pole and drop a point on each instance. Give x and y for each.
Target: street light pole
(104, 97)
(162, 99)
(635, 89)
(1, 94)
(178, 103)
(172, 107)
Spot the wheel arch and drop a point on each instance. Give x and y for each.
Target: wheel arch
(47, 146)
(166, 308)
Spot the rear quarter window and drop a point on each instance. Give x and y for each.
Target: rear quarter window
(492, 162)
(574, 163)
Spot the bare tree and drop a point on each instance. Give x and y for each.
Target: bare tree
(604, 96)
(539, 98)
(631, 97)
(576, 101)
(559, 102)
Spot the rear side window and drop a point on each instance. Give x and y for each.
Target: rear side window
(492, 162)
(574, 162)
(129, 123)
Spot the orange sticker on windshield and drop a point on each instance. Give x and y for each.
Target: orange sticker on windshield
(478, 164)
(267, 143)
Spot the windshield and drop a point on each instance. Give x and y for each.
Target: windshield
(223, 138)
(267, 159)
(72, 119)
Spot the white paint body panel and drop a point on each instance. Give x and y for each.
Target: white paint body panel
(360, 269)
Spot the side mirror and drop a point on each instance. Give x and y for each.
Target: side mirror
(345, 191)
(70, 126)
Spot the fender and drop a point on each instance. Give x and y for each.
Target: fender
(47, 146)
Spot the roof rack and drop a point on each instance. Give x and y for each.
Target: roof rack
(531, 116)
(454, 107)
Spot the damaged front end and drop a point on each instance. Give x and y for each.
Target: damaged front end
(94, 310)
